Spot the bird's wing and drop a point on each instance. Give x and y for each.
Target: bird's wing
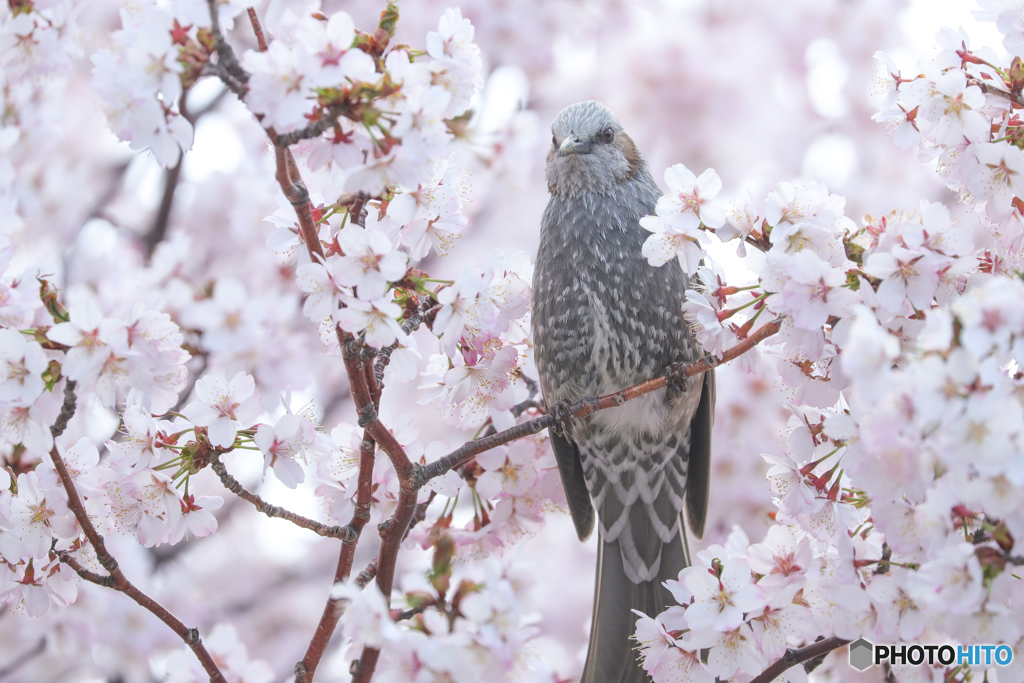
(571, 468)
(699, 470)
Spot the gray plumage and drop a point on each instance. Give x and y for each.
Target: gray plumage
(604, 319)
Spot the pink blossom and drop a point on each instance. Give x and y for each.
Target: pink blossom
(283, 444)
(22, 363)
(720, 602)
(222, 405)
(369, 262)
(783, 558)
(378, 318)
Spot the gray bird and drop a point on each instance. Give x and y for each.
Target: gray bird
(604, 319)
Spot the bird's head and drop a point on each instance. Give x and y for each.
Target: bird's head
(589, 151)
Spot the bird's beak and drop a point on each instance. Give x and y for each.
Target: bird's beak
(573, 145)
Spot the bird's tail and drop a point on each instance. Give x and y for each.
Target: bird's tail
(611, 657)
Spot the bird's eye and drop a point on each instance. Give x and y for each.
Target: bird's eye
(609, 134)
(554, 141)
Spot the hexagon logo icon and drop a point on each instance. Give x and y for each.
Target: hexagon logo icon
(862, 654)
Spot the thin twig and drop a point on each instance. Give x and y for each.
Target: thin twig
(120, 583)
(227, 67)
(794, 657)
(261, 39)
(231, 484)
(91, 577)
(366, 576)
(990, 89)
(424, 473)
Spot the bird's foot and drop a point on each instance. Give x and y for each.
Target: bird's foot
(564, 422)
(676, 380)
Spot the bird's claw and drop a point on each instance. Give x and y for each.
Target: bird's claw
(563, 420)
(675, 380)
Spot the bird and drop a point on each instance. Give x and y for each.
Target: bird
(604, 319)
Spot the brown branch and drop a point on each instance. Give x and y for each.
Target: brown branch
(366, 576)
(358, 209)
(367, 411)
(261, 40)
(227, 67)
(305, 669)
(421, 512)
(990, 89)
(231, 484)
(158, 230)
(315, 129)
(24, 658)
(794, 657)
(424, 473)
(67, 409)
(91, 577)
(391, 533)
(118, 580)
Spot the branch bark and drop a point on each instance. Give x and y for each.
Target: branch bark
(990, 89)
(794, 657)
(231, 484)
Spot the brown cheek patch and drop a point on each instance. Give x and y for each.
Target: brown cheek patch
(629, 150)
(552, 187)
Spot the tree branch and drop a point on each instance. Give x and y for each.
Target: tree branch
(118, 581)
(345, 533)
(794, 657)
(158, 230)
(305, 669)
(91, 577)
(227, 67)
(315, 129)
(424, 473)
(24, 658)
(67, 409)
(990, 89)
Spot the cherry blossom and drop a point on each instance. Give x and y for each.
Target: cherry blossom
(721, 601)
(369, 262)
(282, 445)
(782, 558)
(906, 274)
(378, 318)
(22, 363)
(222, 405)
(814, 291)
(196, 517)
(679, 216)
(330, 43)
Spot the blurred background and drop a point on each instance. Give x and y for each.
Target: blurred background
(761, 91)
